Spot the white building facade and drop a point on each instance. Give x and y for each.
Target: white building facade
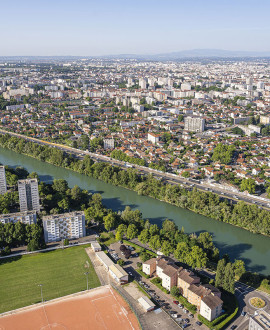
(62, 226)
(3, 183)
(28, 195)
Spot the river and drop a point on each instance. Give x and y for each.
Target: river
(238, 243)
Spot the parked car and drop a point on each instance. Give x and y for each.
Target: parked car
(176, 302)
(185, 311)
(199, 323)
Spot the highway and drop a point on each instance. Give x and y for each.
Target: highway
(169, 177)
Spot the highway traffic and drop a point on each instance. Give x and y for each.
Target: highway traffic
(169, 177)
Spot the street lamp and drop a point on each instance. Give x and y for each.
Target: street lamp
(86, 274)
(41, 291)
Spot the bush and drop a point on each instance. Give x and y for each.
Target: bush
(6, 251)
(144, 256)
(175, 292)
(32, 245)
(142, 273)
(139, 265)
(157, 281)
(66, 241)
(121, 262)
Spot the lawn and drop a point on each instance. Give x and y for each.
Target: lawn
(61, 272)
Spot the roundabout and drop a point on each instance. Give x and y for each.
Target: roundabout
(257, 302)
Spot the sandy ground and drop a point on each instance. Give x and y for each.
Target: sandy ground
(101, 308)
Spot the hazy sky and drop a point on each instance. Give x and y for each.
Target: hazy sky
(102, 27)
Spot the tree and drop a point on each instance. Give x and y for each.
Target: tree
(155, 242)
(33, 245)
(180, 118)
(60, 185)
(168, 228)
(228, 283)
(175, 292)
(196, 258)
(144, 236)
(182, 251)
(76, 193)
(268, 192)
(185, 174)
(220, 272)
(132, 231)
(249, 185)
(64, 204)
(33, 175)
(167, 248)
(109, 221)
(239, 268)
(153, 230)
(66, 241)
(144, 256)
(121, 230)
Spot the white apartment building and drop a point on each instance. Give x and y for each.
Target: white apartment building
(28, 217)
(3, 183)
(194, 124)
(61, 226)
(154, 138)
(108, 144)
(28, 195)
(142, 83)
(211, 307)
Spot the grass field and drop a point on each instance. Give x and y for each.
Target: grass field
(61, 272)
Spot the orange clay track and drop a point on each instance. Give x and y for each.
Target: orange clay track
(101, 308)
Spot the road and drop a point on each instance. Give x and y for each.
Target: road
(169, 177)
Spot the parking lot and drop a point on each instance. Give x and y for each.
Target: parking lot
(177, 312)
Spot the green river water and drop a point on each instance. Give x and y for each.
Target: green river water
(238, 243)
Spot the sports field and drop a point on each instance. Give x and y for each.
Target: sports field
(100, 308)
(61, 272)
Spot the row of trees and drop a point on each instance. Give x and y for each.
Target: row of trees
(227, 272)
(247, 216)
(16, 234)
(120, 155)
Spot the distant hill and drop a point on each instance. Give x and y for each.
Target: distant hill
(194, 53)
(181, 55)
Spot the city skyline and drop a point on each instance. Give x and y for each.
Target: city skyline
(86, 28)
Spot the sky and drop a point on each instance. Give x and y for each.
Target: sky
(105, 27)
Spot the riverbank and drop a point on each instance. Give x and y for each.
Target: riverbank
(248, 217)
(231, 240)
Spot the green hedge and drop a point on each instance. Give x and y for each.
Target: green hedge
(156, 282)
(140, 247)
(228, 319)
(189, 306)
(223, 320)
(142, 273)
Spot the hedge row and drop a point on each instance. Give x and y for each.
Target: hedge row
(155, 281)
(142, 273)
